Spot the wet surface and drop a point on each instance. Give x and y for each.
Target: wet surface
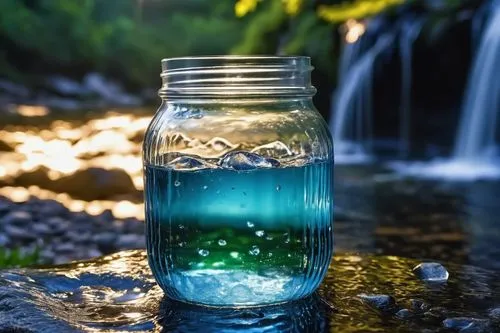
(380, 212)
(360, 294)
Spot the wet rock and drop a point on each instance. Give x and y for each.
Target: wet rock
(52, 208)
(105, 241)
(64, 248)
(384, 303)
(5, 206)
(431, 272)
(58, 225)
(4, 240)
(79, 237)
(109, 91)
(66, 86)
(42, 229)
(18, 218)
(404, 314)
(14, 89)
(47, 256)
(468, 325)
(95, 183)
(418, 305)
(131, 241)
(495, 314)
(18, 233)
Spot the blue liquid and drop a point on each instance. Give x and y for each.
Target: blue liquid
(239, 238)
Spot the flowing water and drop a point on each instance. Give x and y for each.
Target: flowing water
(243, 237)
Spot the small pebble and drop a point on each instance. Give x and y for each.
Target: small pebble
(18, 218)
(130, 241)
(18, 233)
(42, 229)
(418, 306)
(4, 240)
(403, 314)
(383, 303)
(65, 248)
(431, 272)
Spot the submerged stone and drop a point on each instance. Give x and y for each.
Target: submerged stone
(431, 272)
(383, 303)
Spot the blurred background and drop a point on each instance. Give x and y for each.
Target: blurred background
(409, 88)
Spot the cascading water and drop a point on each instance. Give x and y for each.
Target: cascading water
(352, 109)
(352, 103)
(478, 125)
(410, 29)
(475, 153)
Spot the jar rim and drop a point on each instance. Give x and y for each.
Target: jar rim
(233, 75)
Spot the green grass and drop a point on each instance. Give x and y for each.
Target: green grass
(17, 258)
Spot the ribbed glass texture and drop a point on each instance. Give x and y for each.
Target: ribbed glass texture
(238, 168)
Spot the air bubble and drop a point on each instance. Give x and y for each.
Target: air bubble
(260, 233)
(205, 187)
(177, 183)
(203, 252)
(222, 242)
(254, 250)
(234, 255)
(250, 224)
(278, 188)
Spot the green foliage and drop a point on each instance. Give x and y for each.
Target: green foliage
(263, 29)
(16, 258)
(118, 37)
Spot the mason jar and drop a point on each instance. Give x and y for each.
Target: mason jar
(238, 170)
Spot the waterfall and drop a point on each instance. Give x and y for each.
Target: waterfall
(352, 123)
(475, 153)
(410, 29)
(478, 124)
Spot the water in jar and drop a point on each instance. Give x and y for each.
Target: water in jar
(239, 236)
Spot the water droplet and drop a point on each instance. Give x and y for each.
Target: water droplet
(289, 255)
(177, 183)
(222, 242)
(259, 233)
(205, 187)
(250, 224)
(203, 252)
(278, 188)
(254, 250)
(270, 254)
(234, 254)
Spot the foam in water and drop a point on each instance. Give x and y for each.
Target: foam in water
(243, 233)
(454, 170)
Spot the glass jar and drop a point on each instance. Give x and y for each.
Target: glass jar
(238, 168)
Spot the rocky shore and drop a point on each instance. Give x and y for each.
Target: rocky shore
(58, 235)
